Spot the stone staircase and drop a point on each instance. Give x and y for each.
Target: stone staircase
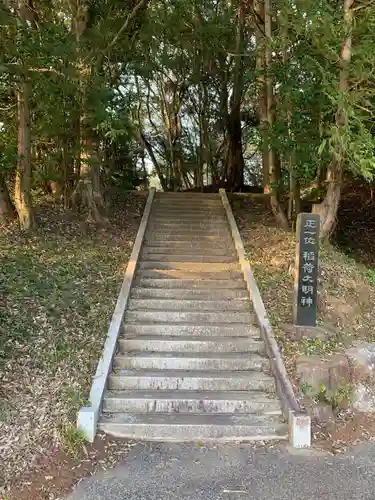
(190, 364)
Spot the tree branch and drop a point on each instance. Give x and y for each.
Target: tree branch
(131, 16)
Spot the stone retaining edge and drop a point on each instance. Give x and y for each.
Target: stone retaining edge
(298, 421)
(88, 415)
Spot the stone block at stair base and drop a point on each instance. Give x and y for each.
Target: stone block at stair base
(321, 414)
(296, 333)
(299, 430)
(87, 422)
(363, 398)
(362, 359)
(339, 372)
(328, 374)
(312, 373)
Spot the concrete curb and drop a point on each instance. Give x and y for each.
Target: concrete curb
(88, 416)
(299, 422)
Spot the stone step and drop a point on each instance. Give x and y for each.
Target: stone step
(179, 231)
(203, 197)
(171, 380)
(187, 211)
(190, 402)
(177, 257)
(207, 239)
(182, 428)
(186, 248)
(207, 317)
(192, 245)
(198, 267)
(176, 216)
(189, 215)
(187, 344)
(208, 225)
(171, 201)
(190, 293)
(177, 330)
(189, 305)
(190, 284)
(186, 274)
(186, 194)
(172, 198)
(232, 361)
(187, 206)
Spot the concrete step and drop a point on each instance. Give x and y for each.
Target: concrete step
(186, 194)
(175, 217)
(187, 344)
(198, 267)
(190, 284)
(183, 210)
(187, 206)
(232, 361)
(190, 215)
(190, 402)
(186, 248)
(179, 231)
(207, 317)
(190, 294)
(188, 201)
(204, 239)
(186, 274)
(177, 330)
(171, 380)
(192, 427)
(177, 257)
(189, 305)
(183, 224)
(192, 245)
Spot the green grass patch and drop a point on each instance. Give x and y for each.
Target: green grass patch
(72, 438)
(54, 289)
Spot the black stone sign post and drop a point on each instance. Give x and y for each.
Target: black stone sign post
(306, 273)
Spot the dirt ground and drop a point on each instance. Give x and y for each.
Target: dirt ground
(345, 298)
(58, 288)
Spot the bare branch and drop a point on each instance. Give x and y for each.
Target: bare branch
(131, 16)
(363, 6)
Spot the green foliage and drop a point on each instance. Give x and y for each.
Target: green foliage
(371, 276)
(171, 75)
(72, 438)
(5, 410)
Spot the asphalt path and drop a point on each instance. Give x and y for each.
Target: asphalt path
(160, 471)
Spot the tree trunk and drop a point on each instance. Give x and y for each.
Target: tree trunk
(22, 190)
(236, 163)
(88, 193)
(158, 170)
(329, 206)
(262, 91)
(294, 193)
(7, 210)
(273, 162)
(68, 165)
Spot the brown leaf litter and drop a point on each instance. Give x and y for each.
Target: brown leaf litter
(58, 288)
(345, 300)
